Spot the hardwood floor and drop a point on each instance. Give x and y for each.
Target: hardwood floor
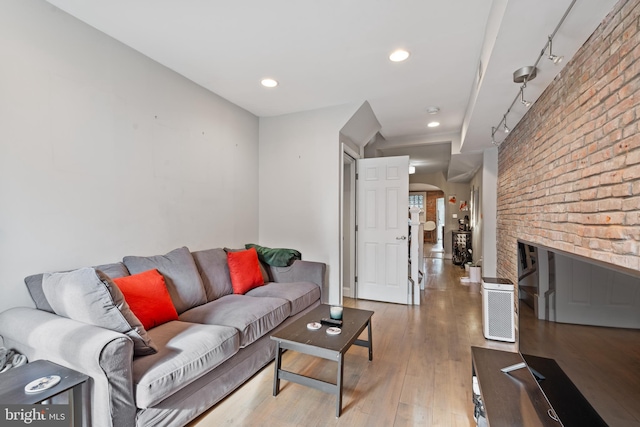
(434, 250)
(420, 374)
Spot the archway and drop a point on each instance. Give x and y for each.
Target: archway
(433, 214)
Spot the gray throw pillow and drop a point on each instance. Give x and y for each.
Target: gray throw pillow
(34, 283)
(213, 268)
(180, 274)
(90, 296)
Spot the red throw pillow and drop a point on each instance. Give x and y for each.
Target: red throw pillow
(148, 298)
(244, 269)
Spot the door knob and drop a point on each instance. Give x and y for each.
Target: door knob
(401, 238)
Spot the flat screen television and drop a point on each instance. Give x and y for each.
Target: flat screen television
(579, 333)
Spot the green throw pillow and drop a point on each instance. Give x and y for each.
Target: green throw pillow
(275, 257)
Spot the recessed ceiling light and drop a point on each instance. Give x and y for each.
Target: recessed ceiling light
(433, 124)
(433, 110)
(269, 83)
(399, 55)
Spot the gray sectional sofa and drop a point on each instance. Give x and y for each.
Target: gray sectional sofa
(218, 342)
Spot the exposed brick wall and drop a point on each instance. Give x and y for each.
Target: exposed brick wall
(569, 173)
(430, 213)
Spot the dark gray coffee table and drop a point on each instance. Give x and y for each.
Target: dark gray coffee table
(318, 343)
(13, 381)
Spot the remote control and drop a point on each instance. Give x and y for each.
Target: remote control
(331, 322)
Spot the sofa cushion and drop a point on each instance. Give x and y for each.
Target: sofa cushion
(113, 270)
(214, 270)
(88, 295)
(300, 294)
(180, 274)
(34, 283)
(148, 297)
(252, 317)
(186, 351)
(244, 269)
(34, 286)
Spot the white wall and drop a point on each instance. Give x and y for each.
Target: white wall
(105, 153)
(300, 167)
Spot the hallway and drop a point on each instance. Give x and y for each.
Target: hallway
(420, 374)
(434, 250)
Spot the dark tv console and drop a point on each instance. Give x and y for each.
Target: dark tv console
(509, 399)
(515, 398)
(572, 407)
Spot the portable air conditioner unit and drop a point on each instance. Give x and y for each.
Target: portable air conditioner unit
(498, 309)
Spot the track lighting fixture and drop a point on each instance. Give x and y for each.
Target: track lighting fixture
(528, 73)
(555, 58)
(525, 74)
(524, 102)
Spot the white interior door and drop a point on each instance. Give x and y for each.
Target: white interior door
(383, 229)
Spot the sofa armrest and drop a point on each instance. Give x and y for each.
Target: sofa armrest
(104, 355)
(300, 271)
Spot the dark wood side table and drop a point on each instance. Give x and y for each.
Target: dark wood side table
(13, 381)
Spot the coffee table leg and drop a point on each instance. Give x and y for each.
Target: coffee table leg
(76, 400)
(339, 385)
(276, 374)
(370, 341)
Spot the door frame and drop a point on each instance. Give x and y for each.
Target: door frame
(440, 219)
(348, 234)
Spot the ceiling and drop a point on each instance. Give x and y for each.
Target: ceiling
(333, 52)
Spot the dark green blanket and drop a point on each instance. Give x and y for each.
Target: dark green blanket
(275, 257)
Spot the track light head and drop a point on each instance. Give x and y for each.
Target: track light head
(554, 58)
(524, 102)
(493, 136)
(506, 128)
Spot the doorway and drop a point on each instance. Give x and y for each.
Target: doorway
(383, 266)
(439, 247)
(348, 232)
